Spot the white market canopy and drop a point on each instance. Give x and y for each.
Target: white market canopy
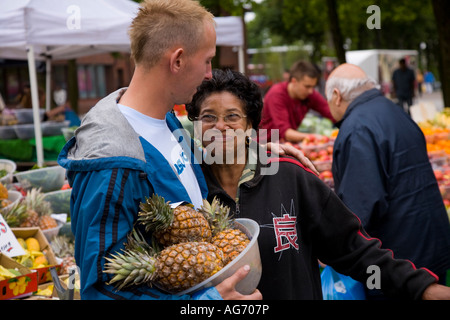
(65, 29)
(374, 62)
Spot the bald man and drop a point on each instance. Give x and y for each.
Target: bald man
(382, 172)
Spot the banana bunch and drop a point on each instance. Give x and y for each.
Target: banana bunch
(47, 292)
(33, 257)
(8, 273)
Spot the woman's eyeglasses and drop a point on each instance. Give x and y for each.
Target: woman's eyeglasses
(211, 119)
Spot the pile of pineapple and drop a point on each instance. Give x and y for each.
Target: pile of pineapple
(187, 246)
(32, 211)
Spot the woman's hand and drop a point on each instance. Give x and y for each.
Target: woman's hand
(227, 287)
(284, 149)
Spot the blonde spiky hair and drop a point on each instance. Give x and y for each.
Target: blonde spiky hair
(162, 24)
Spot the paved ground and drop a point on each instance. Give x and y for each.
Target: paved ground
(434, 97)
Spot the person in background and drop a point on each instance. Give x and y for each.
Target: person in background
(429, 81)
(382, 172)
(23, 100)
(287, 103)
(420, 84)
(403, 80)
(62, 111)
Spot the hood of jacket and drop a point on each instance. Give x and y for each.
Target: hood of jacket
(105, 139)
(105, 132)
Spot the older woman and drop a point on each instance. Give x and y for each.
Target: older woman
(301, 219)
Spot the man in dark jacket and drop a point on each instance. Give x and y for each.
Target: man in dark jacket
(383, 174)
(403, 80)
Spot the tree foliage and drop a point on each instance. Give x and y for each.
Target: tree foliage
(404, 24)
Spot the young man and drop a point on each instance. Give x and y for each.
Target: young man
(125, 149)
(287, 103)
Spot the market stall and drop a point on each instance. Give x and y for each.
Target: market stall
(437, 134)
(47, 30)
(36, 240)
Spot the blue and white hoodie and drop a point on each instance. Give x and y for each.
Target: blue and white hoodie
(112, 170)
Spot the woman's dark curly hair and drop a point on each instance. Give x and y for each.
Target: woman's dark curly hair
(233, 82)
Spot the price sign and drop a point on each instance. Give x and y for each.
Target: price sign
(8, 241)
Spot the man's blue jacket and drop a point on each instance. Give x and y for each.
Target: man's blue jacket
(112, 170)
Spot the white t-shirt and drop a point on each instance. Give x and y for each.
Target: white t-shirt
(157, 133)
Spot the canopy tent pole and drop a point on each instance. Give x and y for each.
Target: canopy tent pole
(48, 87)
(241, 59)
(35, 104)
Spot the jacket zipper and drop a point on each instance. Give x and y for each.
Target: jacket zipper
(238, 211)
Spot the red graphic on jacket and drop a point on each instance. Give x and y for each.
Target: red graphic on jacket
(285, 230)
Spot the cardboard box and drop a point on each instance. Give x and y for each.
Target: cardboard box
(20, 286)
(43, 273)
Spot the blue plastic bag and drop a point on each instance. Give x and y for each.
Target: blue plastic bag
(336, 286)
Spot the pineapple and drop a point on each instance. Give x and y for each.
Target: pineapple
(47, 222)
(63, 248)
(182, 266)
(39, 210)
(171, 226)
(35, 200)
(232, 241)
(175, 268)
(32, 219)
(16, 215)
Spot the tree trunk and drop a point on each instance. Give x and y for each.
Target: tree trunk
(441, 9)
(336, 30)
(72, 84)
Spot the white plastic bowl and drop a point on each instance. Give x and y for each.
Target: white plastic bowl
(53, 128)
(60, 200)
(249, 256)
(10, 167)
(52, 232)
(25, 115)
(7, 132)
(14, 197)
(24, 131)
(48, 179)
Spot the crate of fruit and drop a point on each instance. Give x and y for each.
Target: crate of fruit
(39, 254)
(16, 281)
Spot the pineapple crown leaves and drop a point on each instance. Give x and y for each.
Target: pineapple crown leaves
(34, 200)
(15, 215)
(62, 246)
(130, 268)
(155, 214)
(137, 242)
(217, 215)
